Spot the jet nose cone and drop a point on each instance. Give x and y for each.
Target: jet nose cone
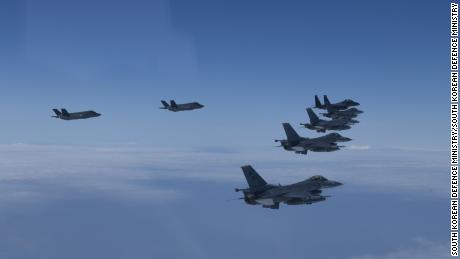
(337, 183)
(346, 139)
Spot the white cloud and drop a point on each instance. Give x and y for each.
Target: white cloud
(123, 171)
(358, 147)
(31, 172)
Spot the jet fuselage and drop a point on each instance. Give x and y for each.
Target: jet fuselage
(64, 115)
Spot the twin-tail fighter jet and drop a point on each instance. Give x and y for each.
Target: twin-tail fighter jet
(345, 104)
(270, 195)
(174, 107)
(301, 145)
(65, 115)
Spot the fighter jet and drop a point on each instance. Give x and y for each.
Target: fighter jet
(337, 114)
(345, 104)
(270, 196)
(323, 125)
(347, 115)
(174, 107)
(301, 145)
(333, 137)
(65, 115)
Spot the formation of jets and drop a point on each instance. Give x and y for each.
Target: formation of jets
(173, 106)
(307, 191)
(340, 114)
(259, 191)
(342, 117)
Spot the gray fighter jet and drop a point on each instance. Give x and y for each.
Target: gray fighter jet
(336, 114)
(301, 145)
(65, 115)
(323, 125)
(349, 115)
(174, 107)
(345, 104)
(270, 196)
(333, 137)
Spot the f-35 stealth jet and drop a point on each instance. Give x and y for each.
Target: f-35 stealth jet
(174, 107)
(270, 196)
(65, 115)
(301, 145)
(345, 104)
(323, 125)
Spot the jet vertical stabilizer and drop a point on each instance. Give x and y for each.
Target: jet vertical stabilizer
(313, 118)
(326, 100)
(291, 134)
(165, 104)
(65, 112)
(317, 102)
(252, 177)
(57, 112)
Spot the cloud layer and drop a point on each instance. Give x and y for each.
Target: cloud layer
(122, 171)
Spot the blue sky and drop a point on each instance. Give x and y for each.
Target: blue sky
(254, 64)
(139, 182)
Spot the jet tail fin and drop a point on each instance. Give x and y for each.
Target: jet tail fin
(291, 134)
(313, 118)
(57, 112)
(173, 103)
(317, 102)
(65, 112)
(326, 100)
(165, 104)
(252, 177)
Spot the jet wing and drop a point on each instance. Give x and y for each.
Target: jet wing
(306, 197)
(295, 192)
(322, 144)
(298, 194)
